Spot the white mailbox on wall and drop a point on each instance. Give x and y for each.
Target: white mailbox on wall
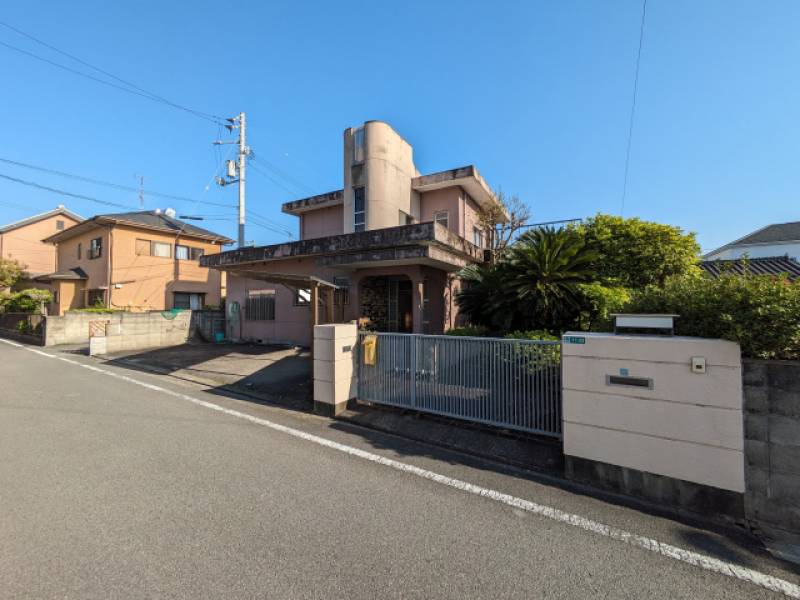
(665, 405)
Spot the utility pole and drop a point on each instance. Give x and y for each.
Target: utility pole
(236, 170)
(242, 166)
(141, 190)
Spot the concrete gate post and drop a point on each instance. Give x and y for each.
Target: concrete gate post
(335, 367)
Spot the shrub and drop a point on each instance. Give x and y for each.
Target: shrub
(468, 331)
(27, 301)
(11, 271)
(760, 312)
(600, 302)
(635, 253)
(533, 334)
(24, 327)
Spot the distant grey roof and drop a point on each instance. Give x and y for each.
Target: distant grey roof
(779, 232)
(59, 210)
(774, 265)
(68, 274)
(771, 234)
(148, 219)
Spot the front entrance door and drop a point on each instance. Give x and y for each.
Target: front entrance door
(401, 315)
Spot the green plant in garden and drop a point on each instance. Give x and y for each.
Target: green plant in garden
(11, 271)
(760, 312)
(533, 334)
(468, 331)
(633, 253)
(535, 286)
(24, 327)
(599, 302)
(27, 301)
(486, 298)
(546, 268)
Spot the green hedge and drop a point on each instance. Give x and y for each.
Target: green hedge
(761, 313)
(26, 301)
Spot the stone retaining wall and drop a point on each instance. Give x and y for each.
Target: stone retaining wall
(772, 447)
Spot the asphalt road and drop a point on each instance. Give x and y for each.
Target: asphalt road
(111, 489)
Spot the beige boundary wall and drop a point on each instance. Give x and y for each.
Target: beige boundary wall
(123, 330)
(688, 426)
(335, 367)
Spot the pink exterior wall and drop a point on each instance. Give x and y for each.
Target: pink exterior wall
(322, 222)
(470, 208)
(444, 199)
(463, 214)
(292, 324)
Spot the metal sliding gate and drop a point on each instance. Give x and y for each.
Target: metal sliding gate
(514, 384)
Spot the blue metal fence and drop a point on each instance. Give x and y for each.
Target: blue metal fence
(514, 384)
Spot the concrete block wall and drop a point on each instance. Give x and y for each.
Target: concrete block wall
(680, 441)
(124, 330)
(335, 367)
(772, 447)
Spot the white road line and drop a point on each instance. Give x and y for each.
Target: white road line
(696, 559)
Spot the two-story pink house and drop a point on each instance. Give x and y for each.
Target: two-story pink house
(384, 249)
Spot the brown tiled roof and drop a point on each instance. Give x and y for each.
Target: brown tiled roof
(146, 219)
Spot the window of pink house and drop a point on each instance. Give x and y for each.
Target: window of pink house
(477, 236)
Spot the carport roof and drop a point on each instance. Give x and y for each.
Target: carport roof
(288, 279)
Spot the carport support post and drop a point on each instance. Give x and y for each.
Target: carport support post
(314, 316)
(329, 316)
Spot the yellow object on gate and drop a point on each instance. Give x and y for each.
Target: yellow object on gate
(370, 347)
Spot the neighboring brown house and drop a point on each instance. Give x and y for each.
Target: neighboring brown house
(134, 261)
(385, 249)
(22, 240)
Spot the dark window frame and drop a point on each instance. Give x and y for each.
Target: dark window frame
(259, 305)
(360, 216)
(341, 296)
(95, 249)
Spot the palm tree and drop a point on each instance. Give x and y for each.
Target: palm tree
(485, 297)
(547, 266)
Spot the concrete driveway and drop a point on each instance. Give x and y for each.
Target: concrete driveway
(277, 374)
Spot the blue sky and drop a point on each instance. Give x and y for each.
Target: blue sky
(536, 94)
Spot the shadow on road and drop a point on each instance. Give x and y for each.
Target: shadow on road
(281, 376)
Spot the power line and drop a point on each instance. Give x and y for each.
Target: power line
(282, 174)
(65, 193)
(131, 88)
(258, 170)
(633, 109)
(118, 186)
